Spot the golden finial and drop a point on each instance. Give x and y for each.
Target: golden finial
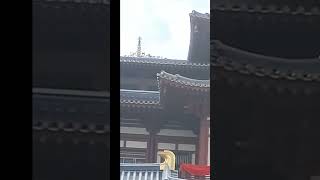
(139, 47)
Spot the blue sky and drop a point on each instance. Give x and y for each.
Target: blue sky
(164, 26)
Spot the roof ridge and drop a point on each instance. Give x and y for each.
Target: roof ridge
(159, 61)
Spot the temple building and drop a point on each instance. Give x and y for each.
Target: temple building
(70, 89)
(265, 93)
(165, 103)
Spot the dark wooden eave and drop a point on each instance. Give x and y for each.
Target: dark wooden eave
(272, 75)
(290, 7)
(105, 2)
(71, 44)
(276, 30)
(71, 111)
(232, 59)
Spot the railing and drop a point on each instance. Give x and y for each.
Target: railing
(146, 171)
(143, 171)
(151, 171)
(170, 174)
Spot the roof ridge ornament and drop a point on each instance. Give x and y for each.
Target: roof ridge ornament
(200, 15)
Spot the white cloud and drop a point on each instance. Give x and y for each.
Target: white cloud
(164, 26)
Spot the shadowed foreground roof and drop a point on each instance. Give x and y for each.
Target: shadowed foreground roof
(78, 111)
(291, 7)
(233, 59)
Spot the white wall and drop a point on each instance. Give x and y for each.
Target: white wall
(180, 133)
(133, 130)
(136, 144)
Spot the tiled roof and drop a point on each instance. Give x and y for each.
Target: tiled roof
(184, 80)
(78, 111)
(146, 171)
(107, 2)
(149, 67)
(159, 62)
(140, 97)
(292, 8)
(70, 92)
(232, 59)
(140, 171)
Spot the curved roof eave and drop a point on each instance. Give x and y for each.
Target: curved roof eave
(183, 80)
(233, 59)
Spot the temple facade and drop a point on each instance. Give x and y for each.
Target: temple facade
(165, 103)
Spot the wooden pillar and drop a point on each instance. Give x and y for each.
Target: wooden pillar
(151, 147)
(203, 141)
(153, 125)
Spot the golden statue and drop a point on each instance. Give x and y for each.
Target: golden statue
(169, 159)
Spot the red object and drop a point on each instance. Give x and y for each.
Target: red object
(195, 170)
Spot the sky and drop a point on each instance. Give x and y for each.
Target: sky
(164, 26)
